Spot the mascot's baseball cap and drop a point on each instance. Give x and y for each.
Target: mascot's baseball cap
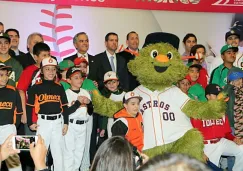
(4, 67)
(227, 47)
(131, 94)
(71, 71)
(48, 62)
(110, 75)
(159, 37)
(78, 61)
(65, 64)
(213, 89)
(232, 32)
(5, 36)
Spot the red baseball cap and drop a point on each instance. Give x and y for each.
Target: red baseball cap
(78, 61)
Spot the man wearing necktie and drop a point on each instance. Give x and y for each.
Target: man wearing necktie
(110, 61)
(81, 43)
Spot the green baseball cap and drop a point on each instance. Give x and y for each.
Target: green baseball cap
(5, 36)
(65, 65)
(227, 47)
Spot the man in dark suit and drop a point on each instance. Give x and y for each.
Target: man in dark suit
(14, 36)
(81, 43)
(129, 54)
(110, 61)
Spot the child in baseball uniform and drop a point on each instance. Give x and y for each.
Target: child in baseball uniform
(218, 139)
(63, 67)
(115, 93)
(27, 79)
(49, 101)
(80, 106)
(11, 110)
(9, 61)
(90, 86)
(129, 121)
(195, 91)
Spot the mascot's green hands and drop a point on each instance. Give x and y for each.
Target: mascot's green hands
(104, 106)
(213, 109)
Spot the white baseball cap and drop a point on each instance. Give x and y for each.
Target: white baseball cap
(110, 75)
(48, 62)
(130, 95)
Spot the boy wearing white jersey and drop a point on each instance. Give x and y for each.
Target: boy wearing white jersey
(79, 102)
(115, 93)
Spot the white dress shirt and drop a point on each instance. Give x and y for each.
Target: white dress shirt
(114, 60)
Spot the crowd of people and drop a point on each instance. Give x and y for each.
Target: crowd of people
(40, 96)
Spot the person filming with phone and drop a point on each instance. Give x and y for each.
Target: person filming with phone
(37, 151)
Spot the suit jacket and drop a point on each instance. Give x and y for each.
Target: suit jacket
(133, 83)
(27, 60)
(104, 66)
(93, 65)
(13, 55)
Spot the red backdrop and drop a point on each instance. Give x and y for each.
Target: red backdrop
(226, 6)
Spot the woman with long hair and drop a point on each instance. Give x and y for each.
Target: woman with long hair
(114, 154)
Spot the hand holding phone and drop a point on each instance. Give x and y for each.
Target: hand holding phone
(38, 153)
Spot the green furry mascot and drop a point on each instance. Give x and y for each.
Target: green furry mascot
(166, 110)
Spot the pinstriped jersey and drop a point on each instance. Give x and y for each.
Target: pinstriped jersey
(164, 122)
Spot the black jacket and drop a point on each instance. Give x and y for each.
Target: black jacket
(133, 83)
(104, 66)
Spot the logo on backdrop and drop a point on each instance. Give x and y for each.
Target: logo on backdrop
(172, 1)
(229, 3)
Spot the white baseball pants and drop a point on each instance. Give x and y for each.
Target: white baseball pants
(227, 148)
(74, 146)
(13, 162)
(51, 132)
(85, 164)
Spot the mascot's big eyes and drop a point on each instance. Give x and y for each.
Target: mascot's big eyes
(170, 55)
(154, 53)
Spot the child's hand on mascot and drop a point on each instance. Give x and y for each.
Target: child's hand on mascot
(223, 96)
(217, 108)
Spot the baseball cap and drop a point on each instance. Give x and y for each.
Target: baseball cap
(78, 61)
(48, 62)
(110, 75)
(130, 95)
(213, 89)
(5, 36)
(235, 75)
(71, 71)
(4, 67)
(227, 47)
(199, 67)
(230, 33)
(65, 64)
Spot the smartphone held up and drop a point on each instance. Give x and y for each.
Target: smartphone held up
(22, 142)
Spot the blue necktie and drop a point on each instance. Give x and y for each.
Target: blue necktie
(112, 63)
